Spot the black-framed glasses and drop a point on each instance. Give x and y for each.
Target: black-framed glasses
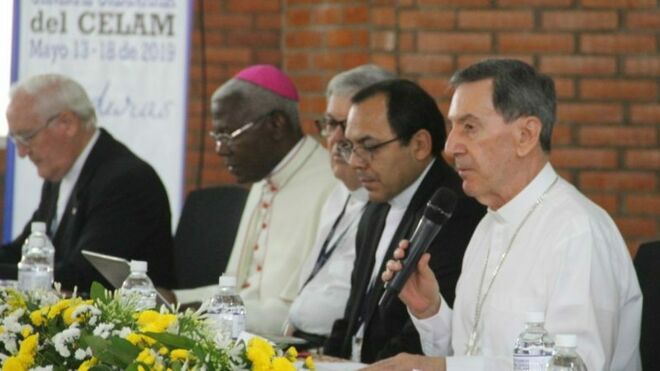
(26, 139)
(227, 138)
(364, 153)
(327, 125)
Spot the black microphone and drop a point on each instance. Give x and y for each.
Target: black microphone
(438, 210)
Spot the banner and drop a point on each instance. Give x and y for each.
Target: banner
(132, 58)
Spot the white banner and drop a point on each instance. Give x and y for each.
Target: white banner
(132, 58)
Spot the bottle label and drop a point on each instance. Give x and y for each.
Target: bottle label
(30, 281)
(526, 362)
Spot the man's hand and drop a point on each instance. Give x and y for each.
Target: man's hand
(408, 362)
(421, 292)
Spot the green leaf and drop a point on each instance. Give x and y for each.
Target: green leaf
(100, 368)
(124, 349)
(97, 292)
(171, 340)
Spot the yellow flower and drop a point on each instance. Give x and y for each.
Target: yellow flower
(309, 363)
(27, 350)
(179, 354)
(136, 339)
(263, 345)
(163, 351)
(26, 331)
(15, 300)
(2, 329)
(282, 364)
(85, 366)
(37, 317)
(58, 307)
(146, 357)
(13, 364)
(291, 354)
(152, 321)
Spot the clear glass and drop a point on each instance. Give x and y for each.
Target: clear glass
(138, 288)
(35, 270)
(566, 359)
(227, 313)
(533, 348)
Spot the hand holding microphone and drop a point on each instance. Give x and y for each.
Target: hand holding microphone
(422, 289)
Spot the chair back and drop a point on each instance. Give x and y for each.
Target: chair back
(205, 234)
(647, 265)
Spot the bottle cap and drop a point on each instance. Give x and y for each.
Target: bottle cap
(38, 227)
(535, 317)
(566, 340)
(227, 281)
(138, 266)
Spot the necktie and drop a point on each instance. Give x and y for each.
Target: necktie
(52, 213)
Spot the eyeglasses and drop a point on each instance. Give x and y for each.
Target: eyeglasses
(327, 125)
(364, 153)
(26, 139)
(227, 138)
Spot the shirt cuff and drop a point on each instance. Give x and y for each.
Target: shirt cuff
(435, 331)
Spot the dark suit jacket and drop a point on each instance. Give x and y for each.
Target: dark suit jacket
(118, 207)
(390, 331)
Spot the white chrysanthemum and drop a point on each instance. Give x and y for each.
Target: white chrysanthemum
(9, 340)
(42, 368)
(103, 330)
(123, 333)
(62, 339)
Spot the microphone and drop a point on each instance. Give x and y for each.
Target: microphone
(438, 210)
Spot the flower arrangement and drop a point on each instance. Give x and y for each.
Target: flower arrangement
(43, 331)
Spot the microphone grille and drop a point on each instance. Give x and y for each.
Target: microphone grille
(441, 205)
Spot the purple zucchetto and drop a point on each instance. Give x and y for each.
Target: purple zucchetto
(270, 78)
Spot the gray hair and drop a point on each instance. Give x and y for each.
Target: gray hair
(258, 101)
(54, 93)
(518, 90)
(349, 82)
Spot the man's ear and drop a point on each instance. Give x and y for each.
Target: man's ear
(421, 144)
(70, 123)
(278, 125)
(528, 134)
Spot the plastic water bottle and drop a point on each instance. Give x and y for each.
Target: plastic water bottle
(35, 270)
(533, 348)
(565, 357)
(226, 309)
(138, 287)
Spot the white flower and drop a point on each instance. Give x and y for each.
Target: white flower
(61, 339)
(123, 333)
(44, 368)
(103, 330)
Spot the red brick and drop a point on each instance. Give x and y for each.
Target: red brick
(645, 114)
(223, 21)
(643, 20)
(590, 113)
(643, 204)
(347, 37)
(303, 39)
(643, 159)
(636, 227)
(352, 59)
(607, 201)
(618, 89)
(250, 37)
(495, 19)
(457, 3)
(296, 61)
(536, 3)
(240, 55)
(309, 83)
(618, 136)
(383, 16)
(618, 3)
(453, 42)
(562, 134)
(528, 43)
(253, 6)
(328, 60)
(425, 63)
(356, 14)
(467, 60)
(269, 21)
(565, 88)
(437, 87)
(583, 158)
(577, 65)
(617, 181)
(298, 17)
(387, 61)
(407, 41)
(617, 44)
(580, 20)
(314, 104)
(383, 40)
(637, 66)
(328, 14)
(268, 56)
(427, 19)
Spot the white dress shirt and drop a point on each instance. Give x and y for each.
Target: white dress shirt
(568, 260)
(323, 299)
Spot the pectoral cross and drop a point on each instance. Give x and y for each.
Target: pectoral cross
(471, 346)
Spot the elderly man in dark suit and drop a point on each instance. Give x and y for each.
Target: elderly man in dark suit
(97, 195)
(395, 138)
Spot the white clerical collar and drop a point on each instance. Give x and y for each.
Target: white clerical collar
(292, 152)
(402, 200)
(516, 209)
(72, 175)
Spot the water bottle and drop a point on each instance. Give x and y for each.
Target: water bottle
(533, 348)
(565, 357)
(138, 288)
(35, 270)
(226, 309)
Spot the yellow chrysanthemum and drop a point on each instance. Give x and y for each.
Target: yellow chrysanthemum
(179, 354)
(15, 300)
(309, 363)
(291, 354)
(2, 330)
(163, 351)
(137, 339)
(282, 364)
(37, 317)
(263, 345)
(58, 307)
(146, 357)
(28, 349)
(152, 321)
(85, 366)
(26, 331)
(13, 364)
